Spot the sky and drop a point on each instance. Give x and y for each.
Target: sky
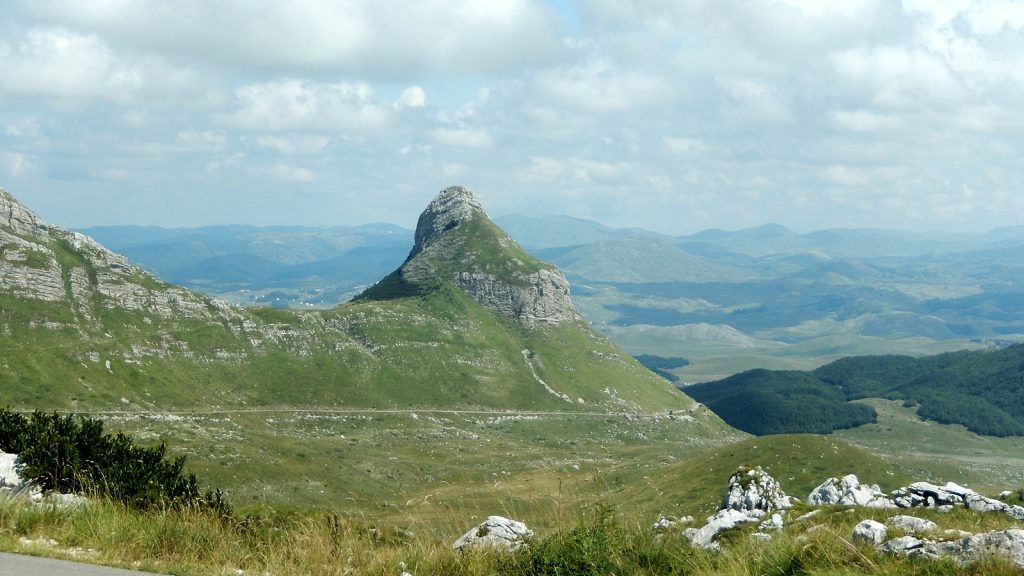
(671, 115)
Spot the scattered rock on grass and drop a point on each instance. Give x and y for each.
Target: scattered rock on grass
(870, 532)
(911, 524)
(495, 532)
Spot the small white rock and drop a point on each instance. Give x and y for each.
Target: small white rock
(870, 532)
(911, 524)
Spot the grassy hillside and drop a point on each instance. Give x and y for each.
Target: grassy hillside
(439, 349)
(800, 462)
(431, 399)
(587, 542)
(595, 523)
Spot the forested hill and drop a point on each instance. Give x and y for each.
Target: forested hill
(982, 390)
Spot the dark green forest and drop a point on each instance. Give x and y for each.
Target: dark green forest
(661, 365)
(981, 390)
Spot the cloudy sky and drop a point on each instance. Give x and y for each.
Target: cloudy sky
(674, 115)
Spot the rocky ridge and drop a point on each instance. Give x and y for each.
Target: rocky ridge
(456, 242)
(70, 271)
(48, 263)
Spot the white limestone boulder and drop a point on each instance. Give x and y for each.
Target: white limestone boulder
(929, 495)
(11, 482)
(902, 545)
(911, 524)
(496, 532)
(848, 491)
(1008, 544)
(753, 489)
(870, 532)
(723, 520)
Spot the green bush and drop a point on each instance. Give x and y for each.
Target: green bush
(589, 548)
(72, 454)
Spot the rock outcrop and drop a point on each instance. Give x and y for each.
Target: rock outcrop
(750, 495)
(925, 494)
(457, 243)
(45, 262)
(848, 491)
(81, 281)
(496, 532)
(919, 543)
(754, 490)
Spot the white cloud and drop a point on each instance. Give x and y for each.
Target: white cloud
(301, 105)
(599, 86)
(453, 169)
(865, 121)
(463, 137)
(765, 104)
(660, 183)
(16, 164)
(226, 162)
(295, 145)
(339, 36)
(992, 18)
(419, 148)
(684, 145)
(66, 64)
(292, 173)
(857, 176)
(757, 99)
(898, 76)
(542, 168)
(201, 140)
(24, 128)
(412, 97)
(847, 176)
(115, 174)
(60, 62)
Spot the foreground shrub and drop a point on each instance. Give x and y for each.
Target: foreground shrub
(72, 454)
(592, 547)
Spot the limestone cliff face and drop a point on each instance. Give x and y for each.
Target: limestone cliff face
(456, 242)
(48, 263)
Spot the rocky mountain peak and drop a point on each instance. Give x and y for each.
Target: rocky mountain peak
(456, 243)
(450, 208)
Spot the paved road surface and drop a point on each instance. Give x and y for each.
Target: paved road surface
(18, 565)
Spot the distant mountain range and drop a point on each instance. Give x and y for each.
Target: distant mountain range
(278, 266)
(774, 298)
